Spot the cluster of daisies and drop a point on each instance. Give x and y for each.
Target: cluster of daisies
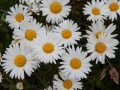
(101, 41)
(102, 10)
(34, 42)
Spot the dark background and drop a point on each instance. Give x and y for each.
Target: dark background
(43, 76)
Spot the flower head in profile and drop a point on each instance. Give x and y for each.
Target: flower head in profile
(55, 10)
(34, 7)
(97, 10)
(18, 14)
(97, 28)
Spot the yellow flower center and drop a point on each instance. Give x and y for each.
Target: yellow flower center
(20, 60)
(99, 33)
(55, 7)
(19, 17)
(100, 47)
(30, 34)
(48, 47)
(113, 6)
(75, 63)
(66, 34)
(96, 11)
(67, 84)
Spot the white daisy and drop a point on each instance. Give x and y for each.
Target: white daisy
(34, 7)
(66, 83)
(0, 77)
(55, 10)
(19, 85)
(17, 15)
(75, 63)
(101, 47)
(98, 28)
(18, 59)
(50, 88)
(114, 6)
(28, 30)
(68, 31)
(97, 10)
(47, 47)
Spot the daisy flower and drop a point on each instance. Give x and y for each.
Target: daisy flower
(18, 14)
(19, 85)
(36, 60)
(18, 59)
(68, 31)
(34, 7)
(0, 77)
(98, 28)
(114, 6)
(47, 47)
(28, 30)
(55, 10)
(101, 47)
(66, 83)
(75, 63)
(97, 10)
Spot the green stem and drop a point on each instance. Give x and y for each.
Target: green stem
(109, 62)
(3, 15)
(107, 67)
(40, 80)
(3, 11)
